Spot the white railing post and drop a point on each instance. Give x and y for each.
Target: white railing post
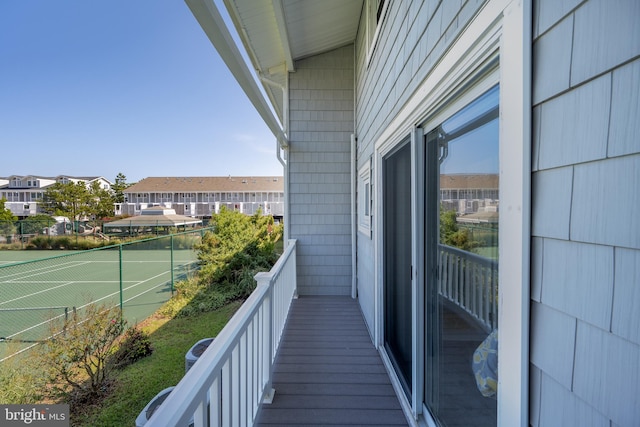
(234, 375)
(265, 280)
(469, 281)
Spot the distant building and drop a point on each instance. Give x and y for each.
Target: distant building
(24, 193)
(150, 220)
(200, 197)
(470, 194)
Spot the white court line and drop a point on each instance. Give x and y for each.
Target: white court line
(66, 265)
(47, 270)
(34, 326)
(85, 305)
(36, 293)
(44, 282)
(126, 289)
(59, 286)
(143, 292)
(64, 284)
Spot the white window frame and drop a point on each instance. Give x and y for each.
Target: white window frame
(365, 208)
(373, 24)
(501, 30)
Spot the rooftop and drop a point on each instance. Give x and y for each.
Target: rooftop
(209, 184)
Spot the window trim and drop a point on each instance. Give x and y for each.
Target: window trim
(365, 199)
(501, 30)
(372, 40)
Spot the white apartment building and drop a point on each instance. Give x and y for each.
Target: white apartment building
(200, 197)
(24, 192)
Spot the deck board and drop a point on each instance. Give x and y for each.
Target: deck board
(327, 371)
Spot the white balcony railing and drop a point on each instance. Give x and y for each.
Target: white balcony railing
(226, 386)
(471, 282)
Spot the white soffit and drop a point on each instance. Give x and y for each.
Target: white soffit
(275, 33)
(312, 27)
(319, 26)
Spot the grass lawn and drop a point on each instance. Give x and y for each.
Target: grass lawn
(487, 252)
(137, 384)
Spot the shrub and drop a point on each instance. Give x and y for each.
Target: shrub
(40, 242)
(135, 345)
(66, 242)
(20, 382)
(62, 242)
(76, 357)
(239, 247)
(238, 242)
(452, 235)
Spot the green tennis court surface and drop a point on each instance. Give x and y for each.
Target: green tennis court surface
(13, 257)
(138, 275)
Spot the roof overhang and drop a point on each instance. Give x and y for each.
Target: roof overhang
(276, 33)
(214, 27)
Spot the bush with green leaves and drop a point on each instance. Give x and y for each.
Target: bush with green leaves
(452, 235)
(35, 224)
(66, 242)
(76, 357)
(21, 382)
(238, 247)
(135, 345)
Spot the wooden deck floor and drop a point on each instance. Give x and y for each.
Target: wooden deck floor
(327, 371)
(461, 404)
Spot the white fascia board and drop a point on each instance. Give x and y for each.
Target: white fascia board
(209, 18)
(284, 35)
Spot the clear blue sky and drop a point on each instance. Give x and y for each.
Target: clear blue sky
(94, 88)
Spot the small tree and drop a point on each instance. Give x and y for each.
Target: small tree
(451, 234)
(7, 219)
(118, 188)
(77, 355)
(100, 201)
(70, 199)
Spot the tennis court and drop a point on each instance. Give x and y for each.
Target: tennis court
(137, 276)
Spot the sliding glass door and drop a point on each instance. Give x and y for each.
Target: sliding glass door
(461, 259)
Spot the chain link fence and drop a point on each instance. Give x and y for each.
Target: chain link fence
(137, 276)
(30, 233)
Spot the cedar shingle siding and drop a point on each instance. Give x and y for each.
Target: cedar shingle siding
(585, 348)
(321, 123)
